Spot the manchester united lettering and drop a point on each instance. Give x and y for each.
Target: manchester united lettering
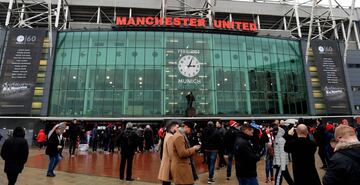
(185, 22)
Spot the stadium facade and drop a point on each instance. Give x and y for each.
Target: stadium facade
(138, 59)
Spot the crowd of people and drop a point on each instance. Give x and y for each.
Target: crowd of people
(278, 142)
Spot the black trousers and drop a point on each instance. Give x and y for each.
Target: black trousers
(166, 183)
(126, 159)
(12, 178)
(72, 146)
(280, 174)
(322, 155)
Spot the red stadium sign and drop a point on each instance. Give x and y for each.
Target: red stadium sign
(185, 23)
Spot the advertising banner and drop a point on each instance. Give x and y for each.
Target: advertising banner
(331, 74)
(19, 70)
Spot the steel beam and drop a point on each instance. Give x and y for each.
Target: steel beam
(310, 31)
(8, 15)
(58, 13)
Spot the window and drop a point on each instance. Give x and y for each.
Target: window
(135, 73)
(355, 88)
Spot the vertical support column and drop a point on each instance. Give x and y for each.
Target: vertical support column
(230, 17)
(210, 12)
(130, 12)
(98, 15)
(66, 17)
(247, 92)
(343, 30)
(333, 21)
(285, 23)
(296, 6)
(258, 22)
(50, 28)
(57, 13)
(8, 15)
(319, 29)
(278, 90)
(22, 12)
(356, 35)
(163, 9)
(310, 31)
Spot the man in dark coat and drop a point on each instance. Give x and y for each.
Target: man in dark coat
(74, 133)
(344, 166)
(319, 136)
(15, 152)
(53, 150)
(303, 155)
(246, 157)
(211, 145)
(149, 138)
(128, 143)
(229, 141)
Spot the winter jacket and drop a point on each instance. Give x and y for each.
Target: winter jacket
(230, 138)
(245, 157)
(211, 139)
(52, 147)
(281, 158)
(303, 157)
(41, 137)
(15, 152)
(344, 167)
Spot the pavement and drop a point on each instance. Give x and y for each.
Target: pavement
(76, 172)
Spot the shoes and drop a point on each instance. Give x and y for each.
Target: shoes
(323, 167)
(131, 179)
(267, 181)
(50, 175)
(228, 178)
(210, 181)
(272, 179)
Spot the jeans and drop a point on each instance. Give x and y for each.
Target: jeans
(211, 159)
(229, 164)
(54, 160)
(12, 178)
(248, 181)
(269, 168)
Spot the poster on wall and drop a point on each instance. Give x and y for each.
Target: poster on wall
(19, 70)
(331, 74)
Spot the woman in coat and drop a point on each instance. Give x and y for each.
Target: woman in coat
(281, 159)
(164, 172)
(15, 152)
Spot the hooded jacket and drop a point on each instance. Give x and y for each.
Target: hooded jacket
(246, 157)
(344, 168)
(15, 152)
(41, 137)
(281, 157)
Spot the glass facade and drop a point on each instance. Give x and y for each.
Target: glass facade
(149, 73)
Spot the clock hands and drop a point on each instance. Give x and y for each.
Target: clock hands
(191, 63)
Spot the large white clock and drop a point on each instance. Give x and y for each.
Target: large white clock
(189, 66)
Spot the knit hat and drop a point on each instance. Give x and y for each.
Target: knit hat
(232, 123)
(329, 127)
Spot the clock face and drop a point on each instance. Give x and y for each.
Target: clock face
(189, 66)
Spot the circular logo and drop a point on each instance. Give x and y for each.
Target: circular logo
(20, 38)
(321, 49)
(189, 66)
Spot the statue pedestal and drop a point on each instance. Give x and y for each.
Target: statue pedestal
(190, 112)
